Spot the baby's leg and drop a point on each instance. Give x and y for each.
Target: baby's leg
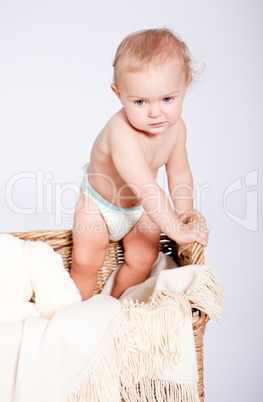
(90, 240)
(141, 249)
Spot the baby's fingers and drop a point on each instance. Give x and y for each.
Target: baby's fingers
(202, 238)
(195, 214)
(194, 231)
(202, 233)
(191, 213)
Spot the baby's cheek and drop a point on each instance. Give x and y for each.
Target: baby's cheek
(136, 121)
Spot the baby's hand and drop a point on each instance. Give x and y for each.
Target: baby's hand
(191, 212)
(191, 231)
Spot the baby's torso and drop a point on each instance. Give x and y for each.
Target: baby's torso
(103, 175)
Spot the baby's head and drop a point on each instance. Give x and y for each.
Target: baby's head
(142, 49)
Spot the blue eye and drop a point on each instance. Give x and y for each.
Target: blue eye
(140, 102)
(168, 99)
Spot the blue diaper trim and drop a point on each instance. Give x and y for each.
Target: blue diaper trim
(118, 220)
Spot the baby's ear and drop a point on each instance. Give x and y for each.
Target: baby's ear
(115, 90)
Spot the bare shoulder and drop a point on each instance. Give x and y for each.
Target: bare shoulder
(120, 130)
(117, 118)
(101, 149)
(178, 156)
(180, 131)
(120, 121)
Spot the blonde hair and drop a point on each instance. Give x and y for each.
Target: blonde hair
(139, 49)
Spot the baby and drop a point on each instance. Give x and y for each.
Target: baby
(119, 197)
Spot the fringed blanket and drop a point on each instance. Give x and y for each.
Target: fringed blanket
(104, 349)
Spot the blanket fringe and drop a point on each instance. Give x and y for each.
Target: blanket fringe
(207, 294)
(97, 382)
(144, 343)
(153, 334)
(157, 390)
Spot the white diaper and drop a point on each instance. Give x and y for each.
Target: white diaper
(118, 220)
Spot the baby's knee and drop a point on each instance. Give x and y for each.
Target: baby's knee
(86, 264)
(141, 259)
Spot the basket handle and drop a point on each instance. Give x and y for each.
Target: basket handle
(191, 254)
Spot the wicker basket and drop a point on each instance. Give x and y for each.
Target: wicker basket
(61, 241)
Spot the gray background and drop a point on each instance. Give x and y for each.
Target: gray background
(55, 96)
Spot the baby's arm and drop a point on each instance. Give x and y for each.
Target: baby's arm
(180, 180)
(129, 159)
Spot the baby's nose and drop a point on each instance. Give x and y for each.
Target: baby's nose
(154, 111)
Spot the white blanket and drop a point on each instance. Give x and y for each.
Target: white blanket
(102, 349)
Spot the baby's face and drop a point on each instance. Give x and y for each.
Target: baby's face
(153, 98)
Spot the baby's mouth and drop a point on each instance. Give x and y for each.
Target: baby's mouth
(157, 124)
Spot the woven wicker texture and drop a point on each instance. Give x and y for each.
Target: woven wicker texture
(61, 241)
